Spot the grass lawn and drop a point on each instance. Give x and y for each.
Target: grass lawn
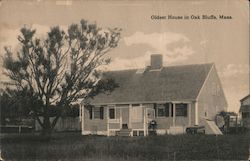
(73, 146)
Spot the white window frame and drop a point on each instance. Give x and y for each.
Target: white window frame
(115, 120)
(114, 113)
(163, 105)
(93, 112)
(182, 109)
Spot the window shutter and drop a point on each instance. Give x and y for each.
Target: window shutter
(185, 110)
(167, 109)
(172, 109)
(90, 113)
(101, 112)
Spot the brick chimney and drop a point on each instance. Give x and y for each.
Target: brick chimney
(156, 62)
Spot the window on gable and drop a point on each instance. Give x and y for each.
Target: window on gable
(111, 113)
(181, 109)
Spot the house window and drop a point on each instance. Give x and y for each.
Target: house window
(181, 109)
(90, 109)
(162, 110)
(97, 112)
(101, 112)
(111, 113)
(245, 115)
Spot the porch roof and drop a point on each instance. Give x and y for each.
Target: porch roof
(172, 83)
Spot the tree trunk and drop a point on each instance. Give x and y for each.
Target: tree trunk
(46, 129)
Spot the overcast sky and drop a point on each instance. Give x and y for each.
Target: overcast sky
(223, 41)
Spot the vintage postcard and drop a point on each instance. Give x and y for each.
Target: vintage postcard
(124, 80)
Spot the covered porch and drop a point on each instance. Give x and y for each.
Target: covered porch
(134, 119)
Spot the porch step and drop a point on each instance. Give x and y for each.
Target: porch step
(124, 132)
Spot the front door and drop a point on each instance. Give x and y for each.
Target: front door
(150, 114)
(125, 118)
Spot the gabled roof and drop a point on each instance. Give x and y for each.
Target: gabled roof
(172, 83)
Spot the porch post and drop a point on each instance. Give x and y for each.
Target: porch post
(173, 114)
(144, 120)
(80, 113)
(129, 115)
(189, 114)
(196, 121)
(120, 110)
(108, 120)
(82, 117)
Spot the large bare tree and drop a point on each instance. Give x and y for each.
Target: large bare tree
(60, 68)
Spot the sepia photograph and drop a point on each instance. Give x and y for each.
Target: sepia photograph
(123, 80)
